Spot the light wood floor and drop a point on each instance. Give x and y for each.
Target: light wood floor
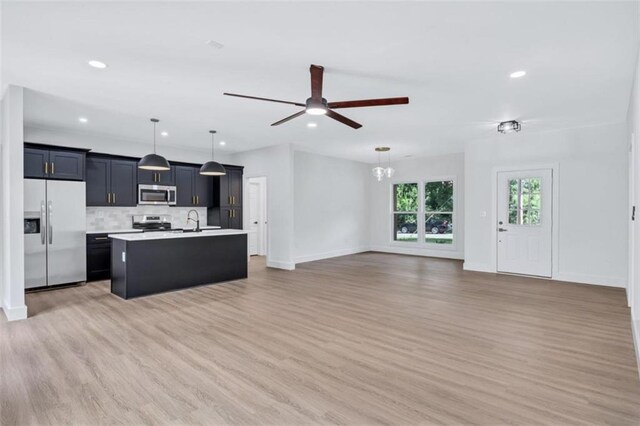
(364, 339)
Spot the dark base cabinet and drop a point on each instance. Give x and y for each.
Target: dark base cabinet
(145, 267)
(98, 257)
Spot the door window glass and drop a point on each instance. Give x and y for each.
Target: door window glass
(524, 201)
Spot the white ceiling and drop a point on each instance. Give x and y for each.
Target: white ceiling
(452, 59)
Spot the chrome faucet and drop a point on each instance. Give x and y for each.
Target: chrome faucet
(196, 220)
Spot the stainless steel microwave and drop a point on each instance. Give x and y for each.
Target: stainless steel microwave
(157, 195)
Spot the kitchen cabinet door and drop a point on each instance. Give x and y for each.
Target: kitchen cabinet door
(150, 177)
(203, 189)
(124, 175)
(66, 165)
(167, 178)
(147, 177)
(34, 160)
(223, 195)
(185, 186)
(235, 186)
(235, 221)
(98, 181)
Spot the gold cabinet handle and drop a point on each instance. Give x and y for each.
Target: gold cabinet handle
(114, 198)
(53, 168)
(101, 238)
(46, 168)
(108, 198)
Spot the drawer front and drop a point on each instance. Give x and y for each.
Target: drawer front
(93, 239)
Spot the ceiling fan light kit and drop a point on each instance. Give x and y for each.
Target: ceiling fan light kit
(509, 127)
(317, 105)
(154, 161)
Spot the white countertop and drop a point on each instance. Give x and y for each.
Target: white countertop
(115, 231)
(132, 230)
(170, 235)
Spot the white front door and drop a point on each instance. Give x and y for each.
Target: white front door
(254, 218)
(525, 222)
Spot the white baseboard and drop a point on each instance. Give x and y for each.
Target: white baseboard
(330, 254)
(444, 254)
(478, 267)
(15, 313)
(635, 330)
(278, 264)
(591, 279)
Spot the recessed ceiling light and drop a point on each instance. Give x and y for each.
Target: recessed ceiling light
(518, 74)
(97, 64)
(312, 125)
(164, 134)
(83, 119)
(223, 143)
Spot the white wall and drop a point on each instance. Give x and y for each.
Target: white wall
(414, 170)
(276, 164)
(12, 205)
(592, 187)
(109, 145)
(331, 206)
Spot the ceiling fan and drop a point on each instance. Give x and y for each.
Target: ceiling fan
(317, 105)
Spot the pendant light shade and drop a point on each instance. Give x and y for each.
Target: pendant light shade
(154, 161)
(380, 172)
(211, 168)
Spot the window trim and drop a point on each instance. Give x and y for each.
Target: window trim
(421, 243)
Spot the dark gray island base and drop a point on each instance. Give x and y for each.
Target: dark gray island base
(151, 263)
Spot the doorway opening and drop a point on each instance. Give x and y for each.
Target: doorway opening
(524, 231)
(258, 224)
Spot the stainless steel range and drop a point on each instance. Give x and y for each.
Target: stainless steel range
(150, 223)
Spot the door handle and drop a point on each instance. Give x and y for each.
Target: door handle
(50, 223)
(255, 223)
(502, 230)
(42, 230)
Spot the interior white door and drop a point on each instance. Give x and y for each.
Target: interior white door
(254, 218)
(525, 222)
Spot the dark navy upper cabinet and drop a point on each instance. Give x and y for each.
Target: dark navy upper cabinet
(150, 177)
(34, 162)
(67, 165)
(98, 181)
(45, 163)
(193, 189)
(124, 183)
(111, 181)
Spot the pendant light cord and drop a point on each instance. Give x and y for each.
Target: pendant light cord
(212, 148)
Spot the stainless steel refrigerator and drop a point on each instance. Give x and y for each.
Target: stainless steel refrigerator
(54, 232)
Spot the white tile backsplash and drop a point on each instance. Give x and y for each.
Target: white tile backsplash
(112, 218)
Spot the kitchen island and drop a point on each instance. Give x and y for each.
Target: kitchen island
(155, 262)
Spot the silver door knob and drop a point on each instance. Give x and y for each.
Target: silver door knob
(502, 230)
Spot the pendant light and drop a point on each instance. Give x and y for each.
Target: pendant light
(211, 168)
(389, 171)
(154, 161)
(380, 172)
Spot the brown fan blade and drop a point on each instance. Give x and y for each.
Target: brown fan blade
(343, 119)
(291, 117)
(369, 103)
(264, 99)
(316, 81)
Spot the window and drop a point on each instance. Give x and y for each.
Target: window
(405, 212)
(438, 212)
(434, 202)
(524, 201)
